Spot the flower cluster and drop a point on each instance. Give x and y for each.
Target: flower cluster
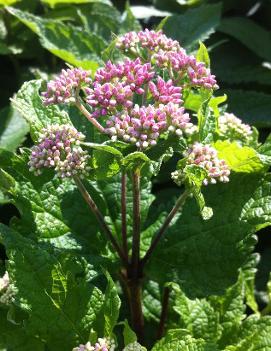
(143, 125)
(4, 282)
(205, 156)
(59, 148)
(103, 344)
(63, 88)
(167, 53)
(146, 39)
(232, 127)
(114, 86)
(165, 92)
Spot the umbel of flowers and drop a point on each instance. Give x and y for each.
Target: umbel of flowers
(103, 344)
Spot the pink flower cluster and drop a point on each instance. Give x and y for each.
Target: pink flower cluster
(103, 344)
(63, 88)
(186, 68)
(143, 125)
(165, 92)
(149, 39)
(4, 282)
(167, 53)
(232, 128)
(59, 148)
(114, 86)
(205, 156)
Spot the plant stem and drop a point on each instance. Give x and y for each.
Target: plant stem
(179, 204)
(100, 218)
(123, 215)
(135, 302)
(136, 224)
(88, 115)
(164, 313)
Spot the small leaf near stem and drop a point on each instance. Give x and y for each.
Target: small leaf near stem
(88, 115)
(123, 214)
(100, 218)
(164, 313)
(136, 224)
(179, 204)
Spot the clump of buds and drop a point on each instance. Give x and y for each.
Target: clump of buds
(232, 128)
(59, 148)
(205, 157)
(143, 125)
(4, 282)
(103, 344)
(63, 88)
(7, 290)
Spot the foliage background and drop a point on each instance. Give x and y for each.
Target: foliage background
(237, 34)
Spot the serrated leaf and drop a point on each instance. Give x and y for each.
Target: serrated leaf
(29, 103)
(199, 317)
(128, 334)
(204, 256)
(135, 346)
(71, 44)
(243, 159)
(135, 160)
(248, 33)
(13, 129)
(194, 25)
(207, 121)
(55, 289)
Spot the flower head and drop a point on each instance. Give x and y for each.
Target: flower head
(231, 127)
(143, 125)
(62, 89)
(103, 344)
(59, 148)
(4, 282)
(148, 39)
(205, 156)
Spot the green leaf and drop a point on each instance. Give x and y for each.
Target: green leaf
(8, 2)
(128, 334)
(198, 317)
(71, 44)
(207, 121)
(152, 300)
(194, 25)
(239, 158)
(204, 256)
(51, 209)
(135, 160)
(29, 103)
(55, 289)
(178, 341)
(202, 54)
(53, 3)
(248, 33)
(129, 22)
(111, 306)
(255, 335)
(14, 337)
(13, 129)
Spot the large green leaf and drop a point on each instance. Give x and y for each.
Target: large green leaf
(13, 129)
(248, 32)
(51, 209)
(204, 256)
(70, 43)
(53, 3)
(194, 25)
(55, 289)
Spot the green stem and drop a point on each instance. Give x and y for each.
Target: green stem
(179, 204)
(100, 218)
(88, 115)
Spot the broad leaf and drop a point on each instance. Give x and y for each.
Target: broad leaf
(53, 3)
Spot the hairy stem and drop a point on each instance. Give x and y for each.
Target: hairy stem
(100, 218)
(136, 224)
(88, 115)
(164, 313)
(179, 204)
(123, 214)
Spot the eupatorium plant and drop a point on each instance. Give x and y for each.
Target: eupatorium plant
(138, 205)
